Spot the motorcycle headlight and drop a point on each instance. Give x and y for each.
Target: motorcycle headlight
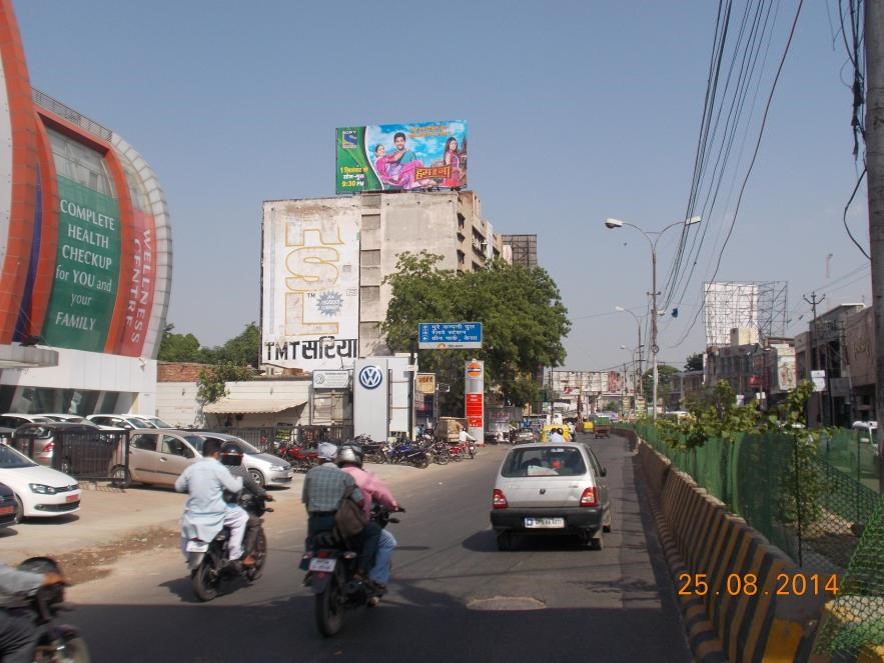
(41, 489)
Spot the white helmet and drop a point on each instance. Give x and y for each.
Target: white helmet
(349, 454)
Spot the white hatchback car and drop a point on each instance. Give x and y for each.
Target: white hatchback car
(551, 489)
(40, 492)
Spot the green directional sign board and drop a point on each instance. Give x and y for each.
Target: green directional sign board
(87, 269)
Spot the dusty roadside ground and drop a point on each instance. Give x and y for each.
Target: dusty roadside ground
(89, 564)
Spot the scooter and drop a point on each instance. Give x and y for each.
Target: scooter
(56, 643)
(330, 576)
(208, 561)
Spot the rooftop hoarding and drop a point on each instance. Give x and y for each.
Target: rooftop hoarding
(310, 284)
(401, 157)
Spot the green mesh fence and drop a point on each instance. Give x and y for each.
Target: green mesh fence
(855, 621)
(785, 488)
(853, 453)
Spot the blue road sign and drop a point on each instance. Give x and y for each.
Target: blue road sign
(449, 335)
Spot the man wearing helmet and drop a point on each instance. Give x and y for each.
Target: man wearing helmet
(349, 459)
(206, 512)
(231, 456)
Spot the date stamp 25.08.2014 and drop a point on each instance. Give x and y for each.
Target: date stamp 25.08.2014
(746, 584)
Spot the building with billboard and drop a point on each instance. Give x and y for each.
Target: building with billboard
(324, 261)
(85, 253)
(523, 248)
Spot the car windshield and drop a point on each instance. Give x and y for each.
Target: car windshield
(139, 423)
(159, 423)
(11, 459)
(544, 461)
(196, 442)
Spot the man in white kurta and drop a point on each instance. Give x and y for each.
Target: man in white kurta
(206, 512)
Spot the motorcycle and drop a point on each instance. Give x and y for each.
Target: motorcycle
(330, 576)
(56, 643)
(410, 453)
(208, 561)
(302, 459)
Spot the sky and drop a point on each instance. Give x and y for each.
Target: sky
(577, 111)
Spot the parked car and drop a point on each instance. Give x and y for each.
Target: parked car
(551, 489)
(868, 431)
(120, 421)
(155, 422)
(266, 469)
(44, 437)
(39, 491)
(8, 506)
(12, 420)
(157, 456)
(66, 418)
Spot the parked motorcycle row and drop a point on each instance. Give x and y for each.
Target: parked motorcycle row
(400, 450)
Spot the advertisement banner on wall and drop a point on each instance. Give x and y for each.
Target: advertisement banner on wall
(401, 157)
(141, 284)
(87, 269)
(310, 285)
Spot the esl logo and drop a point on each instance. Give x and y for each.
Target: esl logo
(370, 377)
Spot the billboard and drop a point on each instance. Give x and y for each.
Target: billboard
(310, 284)
(87, 269)
(401, 157)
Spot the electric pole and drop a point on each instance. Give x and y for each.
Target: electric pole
(814, 359)
(874, 137)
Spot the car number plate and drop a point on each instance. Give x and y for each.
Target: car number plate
(71, 498)
(7, 510)
(544, 523)
(197, 546)
(323, 564)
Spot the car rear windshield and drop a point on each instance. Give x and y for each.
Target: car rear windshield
(544, 461)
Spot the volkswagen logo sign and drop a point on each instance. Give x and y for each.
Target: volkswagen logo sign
(371, 377)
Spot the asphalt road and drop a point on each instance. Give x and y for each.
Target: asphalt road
(454, 597)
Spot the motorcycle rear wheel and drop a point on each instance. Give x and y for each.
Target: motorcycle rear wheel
(204, 581)
(442, 457)
(422, 461)
(329, 610)
(260, 555)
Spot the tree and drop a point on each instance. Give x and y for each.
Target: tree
(179, 347)
(242, 350)
(213, 380)
(612, 406)
(523, 320)
(694, 362)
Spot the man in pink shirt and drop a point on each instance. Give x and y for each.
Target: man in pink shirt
(349, 459)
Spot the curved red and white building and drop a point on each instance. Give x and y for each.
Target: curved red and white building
(85, 254)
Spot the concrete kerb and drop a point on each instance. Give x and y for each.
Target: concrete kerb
(109, 514)
(708, 542)
(703, 641)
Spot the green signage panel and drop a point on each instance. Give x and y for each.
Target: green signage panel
(87, 269)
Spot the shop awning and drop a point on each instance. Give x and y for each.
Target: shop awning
(251, 405)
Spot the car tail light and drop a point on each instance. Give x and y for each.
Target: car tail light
(498, 499)
(588, 498)
(48, 448)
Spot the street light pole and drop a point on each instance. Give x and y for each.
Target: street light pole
(617, 223)
(638, 326)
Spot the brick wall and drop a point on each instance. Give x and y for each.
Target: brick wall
(168, 371)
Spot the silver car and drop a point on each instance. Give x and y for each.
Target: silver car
(266, 469)
(551, 489)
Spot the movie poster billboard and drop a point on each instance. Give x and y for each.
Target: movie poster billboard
(401, 157)
(310, 285)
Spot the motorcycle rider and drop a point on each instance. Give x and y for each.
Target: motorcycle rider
(464, 437)
(324, 488)
(349, 459)
(231, 456)
(206, 512)
(18, 632)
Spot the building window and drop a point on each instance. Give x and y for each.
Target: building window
(369, 294)
(371, 222)
(371, 258)
(80, 164)
(137, 192)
